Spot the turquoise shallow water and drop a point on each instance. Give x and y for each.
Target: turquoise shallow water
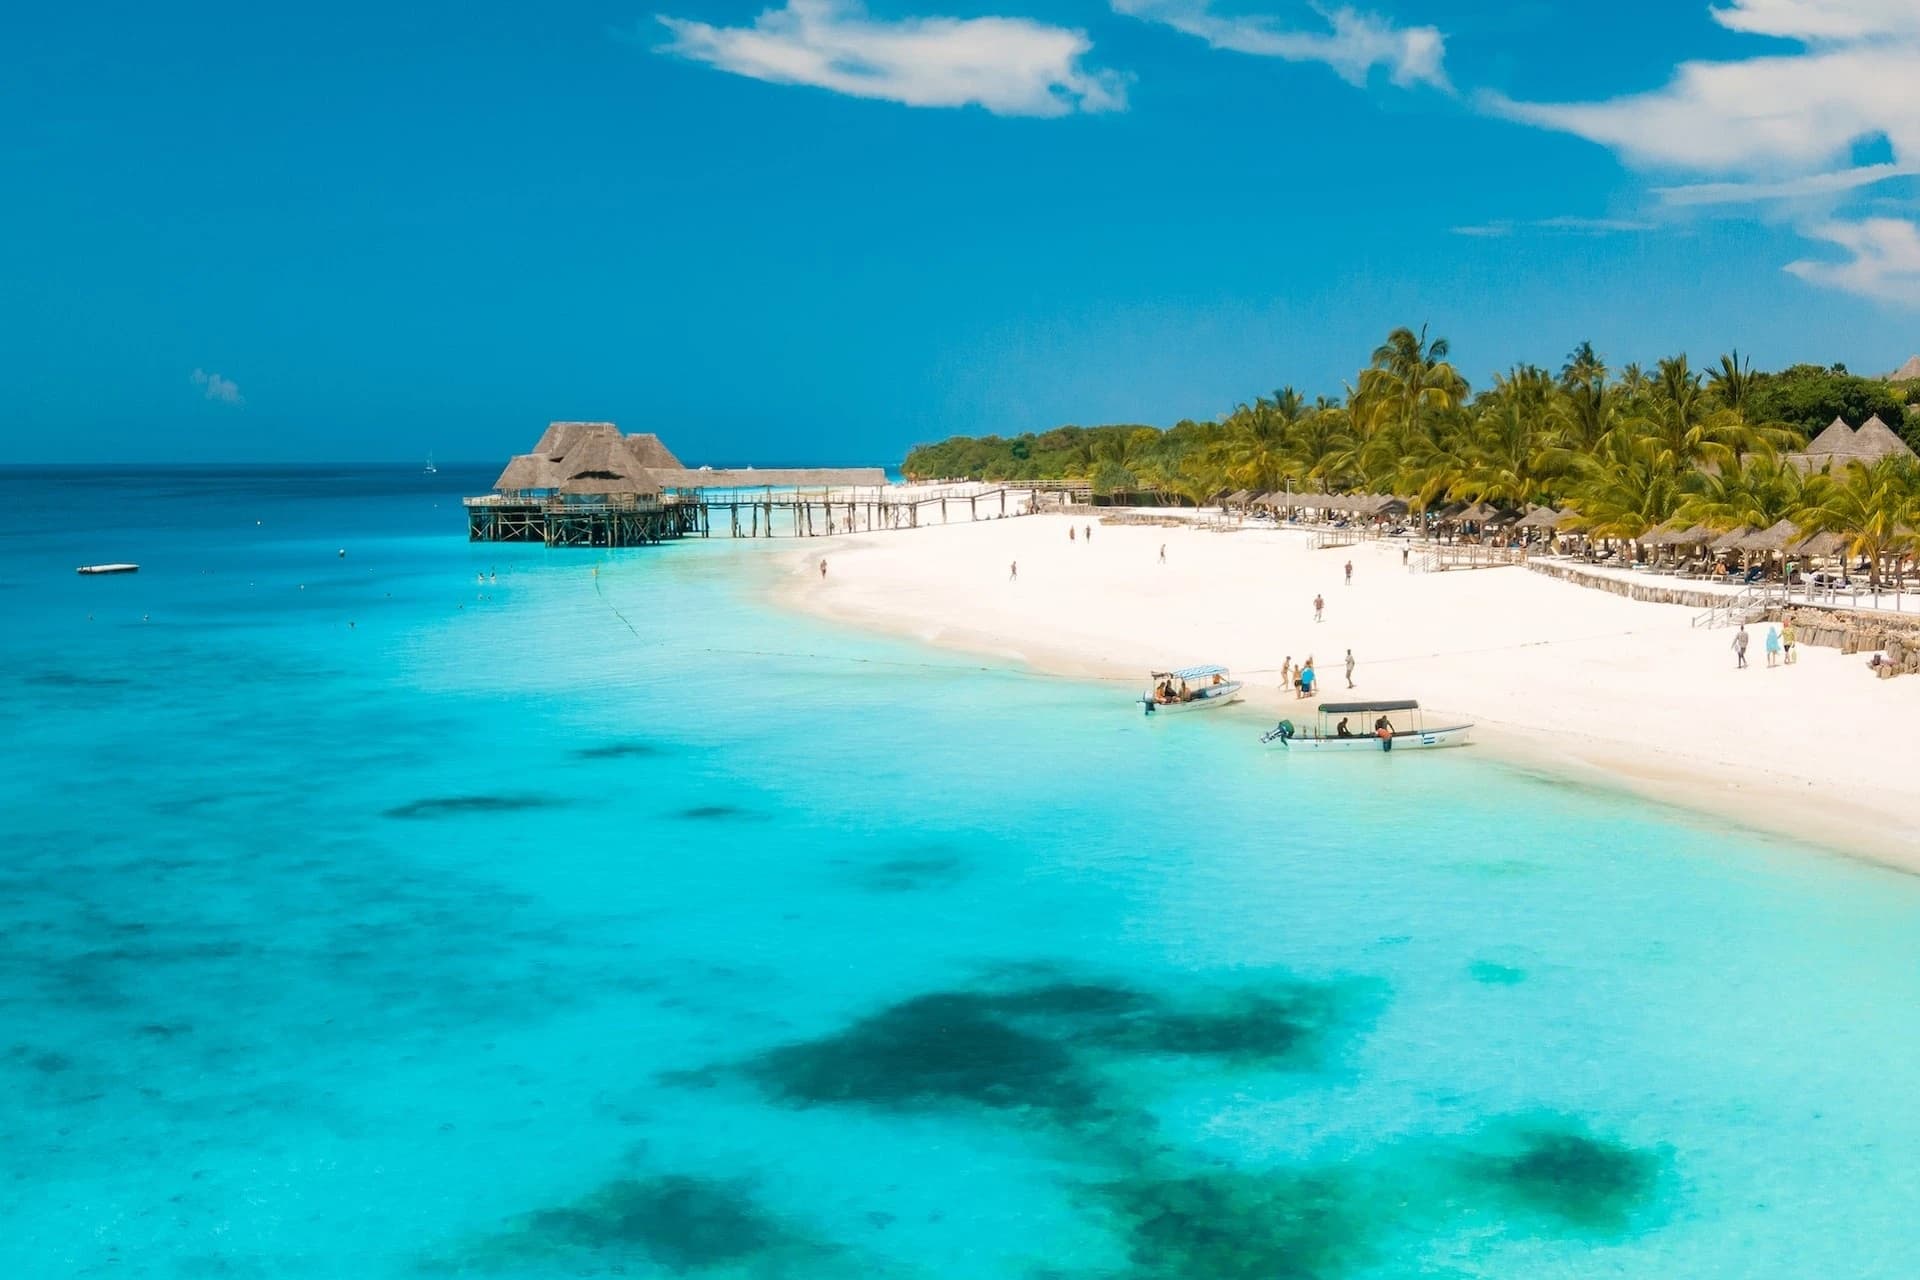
(551, 927)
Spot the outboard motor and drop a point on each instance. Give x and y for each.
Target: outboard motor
(1282, 732)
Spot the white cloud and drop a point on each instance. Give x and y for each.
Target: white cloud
(1884, 261)
(1010, 66)
(1355, 45)
(1780, 130)
(1811, 186)
(1565, 224)
(224, 390)
(1814, 20)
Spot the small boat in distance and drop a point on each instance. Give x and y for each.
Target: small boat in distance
(1398, 725)
(108, 568)
(1190, 689)
(430, 469)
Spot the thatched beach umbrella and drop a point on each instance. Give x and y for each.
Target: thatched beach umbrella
(1478, 513)
(1540, 518)
(1732, 541)
(1775, 539)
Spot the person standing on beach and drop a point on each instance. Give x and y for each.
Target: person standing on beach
(1286, 672)
(1349, 668)
(1787, 640)
(1319, 606)
(1089, 533)
(823, 569)
(1072, 533)
(1740, 648)
(1163, 553)
(1013, 571)
(1404, 553)
(1773, 645)
(1349, 573)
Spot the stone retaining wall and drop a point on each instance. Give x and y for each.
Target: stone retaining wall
(1650, 592)
(1848, 630)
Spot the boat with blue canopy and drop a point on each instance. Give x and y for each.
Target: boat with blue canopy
(1191, 689)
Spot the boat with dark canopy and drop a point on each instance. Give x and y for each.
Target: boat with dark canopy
(1368, 726)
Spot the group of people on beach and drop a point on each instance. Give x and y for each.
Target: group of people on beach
(1780, 645)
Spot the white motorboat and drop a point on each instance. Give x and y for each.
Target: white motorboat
(1190, 689)
(1343, 726)
(108, 568)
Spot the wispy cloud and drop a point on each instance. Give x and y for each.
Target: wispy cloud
(1812, 186)
(1564, 225)
(1009, 66)
(1777, 131)
(215, 387)
(1883, 259)
(1353, 44)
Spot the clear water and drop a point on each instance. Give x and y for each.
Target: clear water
(362, 920)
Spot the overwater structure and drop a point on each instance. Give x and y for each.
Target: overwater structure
(585, 484)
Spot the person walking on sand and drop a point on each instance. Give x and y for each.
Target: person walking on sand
(1286, 672)
(1740, 648)
(1072, 533)
(1773, 645)
(1349, 573)
(1787, 641)
(1319, 606)
(1163, 553)
(1013, 572)
(1349, 668)
(823, 569)
(1089, 533)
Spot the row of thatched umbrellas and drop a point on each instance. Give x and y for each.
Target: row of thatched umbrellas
(1782, 537)
(1386, 504)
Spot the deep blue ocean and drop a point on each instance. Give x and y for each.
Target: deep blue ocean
(451, 910)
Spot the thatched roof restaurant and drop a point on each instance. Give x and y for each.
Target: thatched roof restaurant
(593, 459)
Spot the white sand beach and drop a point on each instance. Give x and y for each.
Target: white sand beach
(1555, 676)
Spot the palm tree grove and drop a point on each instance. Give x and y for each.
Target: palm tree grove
(1622, 453)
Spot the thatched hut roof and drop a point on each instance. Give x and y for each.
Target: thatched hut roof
(1540, 518)
(563, 438)
(603, 465)
(1908, 372)
(527, 472)
(649, 452)
(1734, 540)
(1836, 440)
(1875, 440)
(1478, 513)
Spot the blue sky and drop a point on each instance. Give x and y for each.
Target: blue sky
(816, 231)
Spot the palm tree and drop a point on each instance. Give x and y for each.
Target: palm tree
(1733, 382)
(1875, 507)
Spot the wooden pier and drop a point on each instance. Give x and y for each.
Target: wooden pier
(587, 485)
(565, 522)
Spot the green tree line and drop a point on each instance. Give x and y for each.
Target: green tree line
(1622, 451)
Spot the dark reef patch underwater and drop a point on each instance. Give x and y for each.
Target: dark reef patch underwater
(1049, 1047)
(618, 751)
(453, 806)
(679, 1223)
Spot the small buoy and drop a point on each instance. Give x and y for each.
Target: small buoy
(343, 553)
